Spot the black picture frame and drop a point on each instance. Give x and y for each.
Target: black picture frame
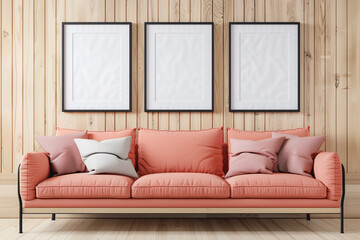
(298, 66)
(130, 66)
(146, 24)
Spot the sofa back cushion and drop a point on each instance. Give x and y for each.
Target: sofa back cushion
(261, 135)
(104, 135)
(180, 151)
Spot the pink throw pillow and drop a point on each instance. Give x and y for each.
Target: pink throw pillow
(260, 135)
(63, 152)
(296, 153)
(249, 156)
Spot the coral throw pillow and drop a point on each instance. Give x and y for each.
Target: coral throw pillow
(104, 135)
(63, 153)
(180, 151)
(249, 156)
(296, 153)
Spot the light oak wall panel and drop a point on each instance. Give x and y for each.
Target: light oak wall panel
(110, 17)
(185, 8)
(218, 19)
(17, 82)
(39, 71)
(260, 117)
(120, 15)
(353, 86)
(342, 81)
(6, 86)
(31, 70)
(143, 10)
(174, 16)
(309, 65)
(238, 14)
(153, 117)
(28, 68)
(320, 64)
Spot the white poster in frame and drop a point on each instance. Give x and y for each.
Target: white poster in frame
(179, 67)
(264, 67)
(96, 67)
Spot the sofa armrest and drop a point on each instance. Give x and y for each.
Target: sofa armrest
(327, 169)
(35, 167)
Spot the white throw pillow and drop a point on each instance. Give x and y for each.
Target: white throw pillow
(108, 156)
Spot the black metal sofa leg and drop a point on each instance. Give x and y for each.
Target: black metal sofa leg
(53, 216)
(20, 203)
(308, 217)
(342, 201)
(342, 220)
(20, 221)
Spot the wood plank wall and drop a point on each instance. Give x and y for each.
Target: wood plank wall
(30, 69)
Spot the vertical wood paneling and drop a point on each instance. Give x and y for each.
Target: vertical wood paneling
(218, 19)
(31, 69)
(185, 117)
(249, 16)
(6, 87)
(28, 68)
(131, 13)
(163, 11)
(354, 85)
(206, 16)
(330, 71)
(228, 17)
(50, 66)
(153, 117)
(341, 80)
(309, 67)
(1, 34)
(110, 10)
(259, 17)
(195, 16)
(60, 17)
(17, 79)
(238, 13)
(120, 16)
(39, 70)
(142, 17)
(110, 17)
(174, 16)
(320, 62)
(298, 118)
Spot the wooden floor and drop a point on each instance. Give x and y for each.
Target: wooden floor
(179, 229)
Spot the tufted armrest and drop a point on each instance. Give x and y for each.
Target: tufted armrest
(35, 167)
(327, 169)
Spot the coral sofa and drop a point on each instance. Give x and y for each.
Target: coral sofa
(181, 191)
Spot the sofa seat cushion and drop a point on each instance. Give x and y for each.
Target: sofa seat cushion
(180, 185)
(276, 185)
(83, 185)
